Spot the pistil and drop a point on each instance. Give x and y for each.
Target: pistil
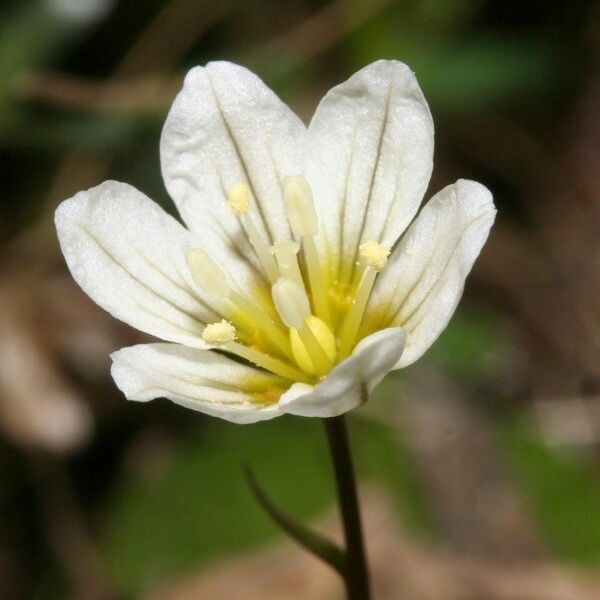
(320, 360)
(303, 221)
(310, 337)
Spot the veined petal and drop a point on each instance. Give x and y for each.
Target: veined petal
(198, 379)
(351, 382)
(226, 126)
(128, 255)
(424, 279)
(369, 157)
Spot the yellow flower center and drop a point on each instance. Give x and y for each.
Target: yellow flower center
(309, 322)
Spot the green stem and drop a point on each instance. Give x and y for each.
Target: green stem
(356, 574)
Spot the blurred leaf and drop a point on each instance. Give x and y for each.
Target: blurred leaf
(458, 71)
(472, 341)
(406, 30)
(199, 508)
(31, 34)
(435, 17)
(486, 70)
(563, 491)
(58, 133)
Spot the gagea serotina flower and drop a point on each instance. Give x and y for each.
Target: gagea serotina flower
(302, 275)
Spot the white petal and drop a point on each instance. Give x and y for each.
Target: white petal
(226, 126)
(198, 379)
(424, 279)
(369, 156)
(351, 382)
(128, 255)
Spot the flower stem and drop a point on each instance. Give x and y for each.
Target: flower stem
(356, 574)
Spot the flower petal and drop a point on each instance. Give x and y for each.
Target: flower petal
(369, 157)
(198, 379)
(424, 279)
(351, 382)
(128, 255)
(226, 126)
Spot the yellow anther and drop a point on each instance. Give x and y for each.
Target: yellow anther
(374, 255)
(239, 198)
(217, 334)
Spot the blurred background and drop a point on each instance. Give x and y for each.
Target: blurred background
(479, 466)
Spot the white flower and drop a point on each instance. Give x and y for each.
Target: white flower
(305, 289)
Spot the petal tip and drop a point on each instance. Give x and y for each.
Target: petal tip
(478, 193)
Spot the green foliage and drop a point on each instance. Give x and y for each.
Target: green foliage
(31, 35)
(563, 491)
(490, 70)
(199, 508)
(461, 73)
(470, 344)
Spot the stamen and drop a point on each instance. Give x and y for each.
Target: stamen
(256, 317)
(239, 201)
(301, 214)
(260, 359)
(238, 198)
(210, 277)
(374, 256)
(217, 334)
(286, 254)
(222, 335)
